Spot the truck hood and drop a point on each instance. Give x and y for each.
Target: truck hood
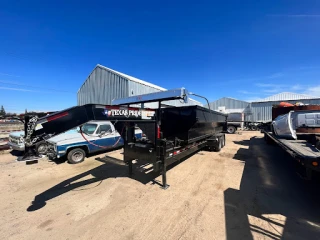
(21, 133)
(17, 134)
(66, 138)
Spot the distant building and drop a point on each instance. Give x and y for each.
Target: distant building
(260, 110)
(104, 84)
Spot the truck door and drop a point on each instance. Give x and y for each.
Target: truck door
(105, 136)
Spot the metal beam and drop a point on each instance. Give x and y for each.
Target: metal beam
(179, 93)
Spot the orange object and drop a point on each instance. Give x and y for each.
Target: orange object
(285, 104)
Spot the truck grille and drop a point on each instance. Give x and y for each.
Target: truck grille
(14, 140)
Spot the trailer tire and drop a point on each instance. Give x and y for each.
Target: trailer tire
(218, 146)
(231, 129)
(76, 155)
(223, 140)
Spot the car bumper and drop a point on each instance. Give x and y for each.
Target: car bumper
(16, 146)
(53, 155)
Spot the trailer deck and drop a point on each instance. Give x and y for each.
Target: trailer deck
(304, 152)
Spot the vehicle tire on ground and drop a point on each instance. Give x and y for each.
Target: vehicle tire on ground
(254, 128)
(231, 129)
(218, 145)
(42, 148)
(76, 155)
(223, 139)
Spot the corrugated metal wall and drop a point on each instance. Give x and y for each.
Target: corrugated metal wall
(262, 111)
(103, 85)
(228, 103)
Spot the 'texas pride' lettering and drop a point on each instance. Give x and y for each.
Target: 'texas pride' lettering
(122, 112)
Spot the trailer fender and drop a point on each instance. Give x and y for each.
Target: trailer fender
(215, 143)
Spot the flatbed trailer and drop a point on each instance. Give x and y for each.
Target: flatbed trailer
(172, 133)
(306, 155)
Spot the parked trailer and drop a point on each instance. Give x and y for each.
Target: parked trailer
(305, 154)
(172, 133)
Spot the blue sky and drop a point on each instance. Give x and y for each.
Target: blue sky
(240, 49)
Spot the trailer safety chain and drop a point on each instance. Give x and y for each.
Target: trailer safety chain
(30, 129)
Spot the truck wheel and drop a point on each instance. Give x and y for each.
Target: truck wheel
(254, 128)
(76, 155)
(42, 148)
(231, 129)
(218, 146)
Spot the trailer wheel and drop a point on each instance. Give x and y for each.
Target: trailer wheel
(42, 148)
(231, 129)
(223, 138)
(76, 155)
(218, 146)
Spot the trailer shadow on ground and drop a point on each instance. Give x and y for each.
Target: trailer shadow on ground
(111, 168)
(282, 205)
(243, 142)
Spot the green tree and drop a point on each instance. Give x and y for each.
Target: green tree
(2, 111)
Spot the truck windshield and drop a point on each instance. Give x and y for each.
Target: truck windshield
(89, 128)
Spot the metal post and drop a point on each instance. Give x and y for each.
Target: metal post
(164, 176)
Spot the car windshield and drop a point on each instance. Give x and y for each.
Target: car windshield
(89, 128)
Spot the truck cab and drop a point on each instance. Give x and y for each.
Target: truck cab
(100, 136)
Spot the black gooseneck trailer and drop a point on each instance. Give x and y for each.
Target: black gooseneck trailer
(172, 133)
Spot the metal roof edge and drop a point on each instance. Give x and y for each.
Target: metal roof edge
(133, 78)
(98, 65)
(282, 93)
(300, 99)
(130, 78)
(230, 98)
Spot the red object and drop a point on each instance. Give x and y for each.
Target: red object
(158, 132)
(54, 117)
(285, 104)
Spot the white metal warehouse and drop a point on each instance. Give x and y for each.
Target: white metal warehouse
(104, 84)
(261, 110)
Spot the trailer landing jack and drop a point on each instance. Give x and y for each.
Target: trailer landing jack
(164, 177)
(30, 156)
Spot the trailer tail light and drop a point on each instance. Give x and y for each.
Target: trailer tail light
(59, 115)
(158, 132)
(315, 164)
(176, 152)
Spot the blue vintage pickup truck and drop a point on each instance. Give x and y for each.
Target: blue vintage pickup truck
(72, 145)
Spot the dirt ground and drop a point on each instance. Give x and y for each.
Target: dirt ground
(249, 190)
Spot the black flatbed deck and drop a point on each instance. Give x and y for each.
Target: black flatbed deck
(304, 152)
